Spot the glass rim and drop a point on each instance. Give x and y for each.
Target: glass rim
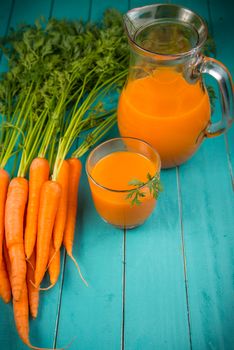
(124, 190)
(168, 57)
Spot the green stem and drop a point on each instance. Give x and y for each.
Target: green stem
(94, 136)
(35, 140)
(15, 133)
(97, 92)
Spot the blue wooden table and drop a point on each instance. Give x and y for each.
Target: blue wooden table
(168, 284)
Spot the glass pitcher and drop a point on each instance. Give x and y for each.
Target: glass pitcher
(165, 101)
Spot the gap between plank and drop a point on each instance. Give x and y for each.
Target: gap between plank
(10, 16)
(123, 291)
(51, 8)
(59, 299)
(64, 253)
(211, 30)
(229, 160)
(8, 22)
(90, 10)
(183, 251)
(56, 330)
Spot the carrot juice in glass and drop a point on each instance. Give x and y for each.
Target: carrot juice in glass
(124, 178)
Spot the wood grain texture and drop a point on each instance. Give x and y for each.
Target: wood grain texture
(94, 314)
(98, 7)
(223, 31)
(208, 221)
(71, 9)
(168, 284)
(156, 313)
(5, 16)
(155, 303)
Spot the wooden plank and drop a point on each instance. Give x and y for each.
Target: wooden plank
(73, 9)
(98, 7)
(219, 17)
(155, 309)
(139, 3)
(94, 314)
(156, 315)
(28, 11)
(208, 221)
(223, 31)
(5, 18)
(5, 15)
(42, 329)
(208, 225)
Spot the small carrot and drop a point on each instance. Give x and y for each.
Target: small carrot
(20, 307)
(21, 315)
(75, 166)
(54, 266)
(4, 182)
(60, 220)
(14, 221)
(38, 174)
(74, 180)
(33, 293)
(49, 202)
(5, 286)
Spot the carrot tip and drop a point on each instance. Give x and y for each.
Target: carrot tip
(78, 268)
(34, 285)
(16, 295)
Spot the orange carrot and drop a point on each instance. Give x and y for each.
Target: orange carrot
(4, 182)
(38, 174)
(60, 221)
(74, 179)
(5, 287)
(75, 166)
(49, 202)
(7, 260)
(33, 293)
(21, 315)
(14, 220)
(54, 266)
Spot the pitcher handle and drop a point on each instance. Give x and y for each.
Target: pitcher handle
(218, 71)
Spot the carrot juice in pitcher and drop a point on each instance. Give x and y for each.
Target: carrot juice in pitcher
(163, 109)
(165, 101)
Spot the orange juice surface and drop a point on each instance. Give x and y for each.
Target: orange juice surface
(167, 112)
(114, 172)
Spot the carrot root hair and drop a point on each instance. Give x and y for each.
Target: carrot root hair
(31, 265)
(42, 288)
(79, 270)
(51, 259)
(47, 288)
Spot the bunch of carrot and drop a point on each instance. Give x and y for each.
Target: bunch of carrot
(37, 216)
(51, 94)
